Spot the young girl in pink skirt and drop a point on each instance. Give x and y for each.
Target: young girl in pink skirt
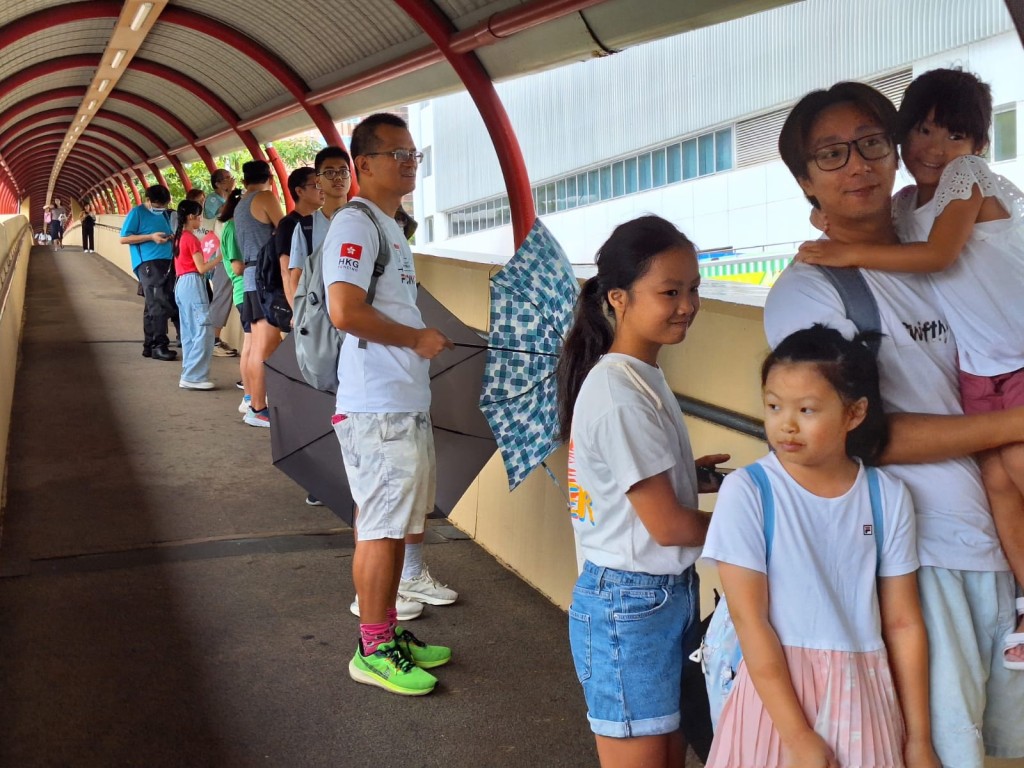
(835, 655)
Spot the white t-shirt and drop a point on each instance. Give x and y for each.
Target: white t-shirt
(298, 254)
(821, 576)
(981, 293)
(627, 427)
(379, 378)
(917, 362)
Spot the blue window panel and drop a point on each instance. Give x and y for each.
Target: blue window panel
(618, 179)
(706, 153)
(606, 182)
(675, 163)
(632, 183)
(723, 149)
(551, 193)
(571, 196)
(658, 168)
(644, 167)
(593, 186)
(560, 195)
(690, 159)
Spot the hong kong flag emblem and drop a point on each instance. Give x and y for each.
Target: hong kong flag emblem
(351, 251)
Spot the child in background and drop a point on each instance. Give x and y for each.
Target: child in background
(192, 298)
(840, 645)
(963, 224)
(634, 492)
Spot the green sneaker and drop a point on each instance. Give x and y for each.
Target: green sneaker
(388, 668)
(419, 653)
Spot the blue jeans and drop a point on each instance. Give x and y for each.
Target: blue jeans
(196, 331)
(626, 633)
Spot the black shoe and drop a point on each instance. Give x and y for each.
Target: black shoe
(163, 353)
(147, 352)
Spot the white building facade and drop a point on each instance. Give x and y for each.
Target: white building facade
(687, 127)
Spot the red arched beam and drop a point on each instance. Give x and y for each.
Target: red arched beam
(123, 205)
(268, 60)
(156, 174)
(38, 100)
(31, 137)
(45, 155)
(204, 94)
(131, 185)
(481, 89)
(168, 117)
(282, 175)
(140, 176)
(182, 173)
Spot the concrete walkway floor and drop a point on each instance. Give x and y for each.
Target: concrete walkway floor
(167, 599)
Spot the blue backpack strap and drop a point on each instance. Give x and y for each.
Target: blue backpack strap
(858, 300)
(760, 478)
(876, 514)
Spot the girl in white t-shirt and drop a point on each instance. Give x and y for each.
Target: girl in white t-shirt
(633, 487)
(963, 224)
(829, 621)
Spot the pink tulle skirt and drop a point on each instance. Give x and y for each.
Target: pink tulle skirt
(849, 698)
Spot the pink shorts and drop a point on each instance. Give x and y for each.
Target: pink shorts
(981, 394)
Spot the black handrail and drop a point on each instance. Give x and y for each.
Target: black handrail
(723, 417)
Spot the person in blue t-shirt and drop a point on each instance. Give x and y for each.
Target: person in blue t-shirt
(147, 232)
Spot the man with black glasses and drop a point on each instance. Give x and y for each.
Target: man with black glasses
(839, 144)
(382, 410)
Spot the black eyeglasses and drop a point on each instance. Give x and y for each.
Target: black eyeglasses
(401, 155)
(314, 185)
(832, 157)
(335, 173)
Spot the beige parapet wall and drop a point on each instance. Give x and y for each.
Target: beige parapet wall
(529, 530)
(12, 315)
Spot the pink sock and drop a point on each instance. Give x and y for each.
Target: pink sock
(392, 619)
(374, 635)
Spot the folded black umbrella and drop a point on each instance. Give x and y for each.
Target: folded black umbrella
(305, 448)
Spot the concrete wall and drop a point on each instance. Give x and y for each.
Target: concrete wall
(12, 315)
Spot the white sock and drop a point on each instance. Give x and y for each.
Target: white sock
(412, 568)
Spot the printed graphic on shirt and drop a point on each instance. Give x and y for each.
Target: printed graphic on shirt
(406, 272)
(580, 507)
(928, 330)
(869, 530)
(350, 255)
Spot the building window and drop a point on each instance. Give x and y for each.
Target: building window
(428, 229)
(1004, 134)
(427, 164)
(709, 153)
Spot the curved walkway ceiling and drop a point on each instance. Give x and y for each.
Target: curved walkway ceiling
(98, 93)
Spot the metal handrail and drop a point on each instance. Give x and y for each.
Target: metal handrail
(723, 417)
(10, 263)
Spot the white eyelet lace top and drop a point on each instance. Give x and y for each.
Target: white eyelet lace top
(982, 292)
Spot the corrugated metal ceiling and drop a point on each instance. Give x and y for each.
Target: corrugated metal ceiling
(233, 47)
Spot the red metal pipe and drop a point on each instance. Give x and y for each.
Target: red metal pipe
(282, 175)
(519, 19)
(478, 83)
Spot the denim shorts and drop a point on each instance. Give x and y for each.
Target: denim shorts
(626, 633)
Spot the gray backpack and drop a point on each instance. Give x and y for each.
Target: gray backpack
(317, 341)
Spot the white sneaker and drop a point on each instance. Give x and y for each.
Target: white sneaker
(427, 589)
(407, 609)
(243, 406)
(183, 384)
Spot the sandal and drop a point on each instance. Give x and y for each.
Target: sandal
(1014, 640)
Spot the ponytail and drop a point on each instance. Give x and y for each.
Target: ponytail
(186, 208)
(590, 337)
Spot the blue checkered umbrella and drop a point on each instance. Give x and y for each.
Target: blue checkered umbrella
(532, 300)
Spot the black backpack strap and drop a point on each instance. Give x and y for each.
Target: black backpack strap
(383, 255)
(858, 301)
